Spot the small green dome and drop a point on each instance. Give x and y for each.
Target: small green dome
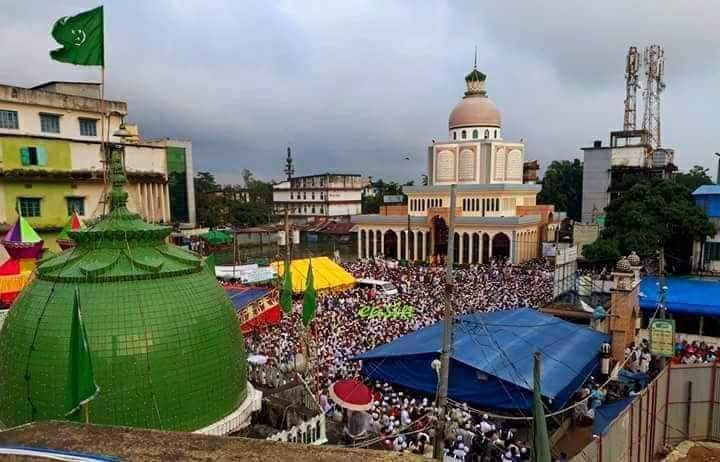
(166, 347)
(475, 76)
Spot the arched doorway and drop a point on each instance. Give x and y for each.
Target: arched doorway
(467, 251)
(501, 246)
(390, 249)
(475, 258)
(485, 249)
(440, 236)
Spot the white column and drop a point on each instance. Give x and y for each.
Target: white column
(138, 203)
(397, 238)
(513, 248)
(167, 203)
(146, 201)
(407, 245)
(480, 247)
(163, 206)
(415, 245)
(382, 243)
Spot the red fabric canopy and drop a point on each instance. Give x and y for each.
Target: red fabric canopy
(351, 394)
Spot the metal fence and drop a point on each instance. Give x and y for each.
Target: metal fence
(681, 403)
(311, 431)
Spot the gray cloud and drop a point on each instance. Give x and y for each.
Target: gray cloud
(357, 86)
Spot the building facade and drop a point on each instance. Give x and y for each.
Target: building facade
(328, 195)
(496, 213)
(610, 170)
(51, 161)
(706, 254)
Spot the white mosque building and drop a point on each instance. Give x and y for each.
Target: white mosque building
(496, 213)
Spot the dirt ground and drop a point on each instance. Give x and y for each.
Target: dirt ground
(132, 444)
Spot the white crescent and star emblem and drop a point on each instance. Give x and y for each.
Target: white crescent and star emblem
(78, 37)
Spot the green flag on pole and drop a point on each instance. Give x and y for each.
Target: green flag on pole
(540, 441)
(286, 290)
(309, 298)
(81, 37)
(80, 386)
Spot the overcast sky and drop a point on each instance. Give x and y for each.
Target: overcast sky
(356, 86)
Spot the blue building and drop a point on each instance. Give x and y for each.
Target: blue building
(706, 257)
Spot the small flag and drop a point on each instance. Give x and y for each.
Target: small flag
(80, 385)
(309, 298)
(286, 290)
(81, 37)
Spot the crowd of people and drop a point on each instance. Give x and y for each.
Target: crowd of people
(338, 333)
(695, 353)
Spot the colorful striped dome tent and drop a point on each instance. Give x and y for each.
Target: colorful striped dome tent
(74, 224)
(23, 246)
(21, 241)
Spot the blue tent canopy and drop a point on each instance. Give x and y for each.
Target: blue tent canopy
(700, 297)
(491, 366)
(243, 296)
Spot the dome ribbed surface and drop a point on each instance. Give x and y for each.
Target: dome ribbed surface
(475, 111)
(164, 340)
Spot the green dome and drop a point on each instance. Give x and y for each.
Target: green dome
(165, 344)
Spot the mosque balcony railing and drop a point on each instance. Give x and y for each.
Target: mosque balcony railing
(312, 431)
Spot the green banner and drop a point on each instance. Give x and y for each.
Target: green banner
(662, 337)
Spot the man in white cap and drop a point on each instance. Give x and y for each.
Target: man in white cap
(485, 424)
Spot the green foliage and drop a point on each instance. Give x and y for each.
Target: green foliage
(372, 204)
(562, 187)
(207, 213)
(694, 178)
(601, 252)
(657, 213)
(214, 210)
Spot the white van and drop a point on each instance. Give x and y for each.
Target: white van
(383, 287)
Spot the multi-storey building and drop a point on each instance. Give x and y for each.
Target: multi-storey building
(51, 161)
(497, 216)
(610, 170)
(328, 195)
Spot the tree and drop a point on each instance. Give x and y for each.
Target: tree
(652, 214)
(206, 205)
(694, 178)
(562, 187)
(601, 252)
(372, 203)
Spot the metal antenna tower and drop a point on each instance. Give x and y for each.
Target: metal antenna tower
(632, 73)
(654, 71)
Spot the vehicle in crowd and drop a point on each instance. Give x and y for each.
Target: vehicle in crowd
(383, 287)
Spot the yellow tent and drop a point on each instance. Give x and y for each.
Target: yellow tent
(328, 275)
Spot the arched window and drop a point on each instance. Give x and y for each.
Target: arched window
(454, 135)
(497, 205)
(463, 134)
(475, 134)
(423, 204)
(495, 136)
(487, 134)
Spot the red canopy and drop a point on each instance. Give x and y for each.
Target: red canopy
(351, 394)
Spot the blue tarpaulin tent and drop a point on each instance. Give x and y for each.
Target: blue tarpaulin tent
(493, 371)
(689, 296)
(243, 296)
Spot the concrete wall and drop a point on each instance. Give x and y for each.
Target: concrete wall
(479, 162)
(596, 180)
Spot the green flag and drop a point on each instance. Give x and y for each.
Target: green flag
(81, 37)
(80, 386)
(540, 441)
(286, 290)
(309, 298)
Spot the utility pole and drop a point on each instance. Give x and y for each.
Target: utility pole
(448, 317)
(661, 361)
